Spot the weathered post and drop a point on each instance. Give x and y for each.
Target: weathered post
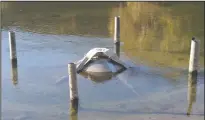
(12, 47)
(193, 71)
(117, 36)
(73, 88)
(194, 56)
(13, 57)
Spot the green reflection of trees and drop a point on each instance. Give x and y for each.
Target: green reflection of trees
(152, 30)
(77, 18)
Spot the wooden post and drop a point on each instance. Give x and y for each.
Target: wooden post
(13, 57)
(117, 36)
(194, 56)
(73, 88)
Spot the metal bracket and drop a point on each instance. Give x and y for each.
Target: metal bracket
(98, 53)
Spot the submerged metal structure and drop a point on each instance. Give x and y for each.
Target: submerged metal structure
(99, 65)
(97, 59)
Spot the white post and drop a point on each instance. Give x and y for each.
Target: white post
(117, 36)
(73, 88)
(194, 56)
(13, 57)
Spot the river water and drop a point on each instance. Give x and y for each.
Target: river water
(43, 51)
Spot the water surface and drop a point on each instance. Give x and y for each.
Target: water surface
(47, 40)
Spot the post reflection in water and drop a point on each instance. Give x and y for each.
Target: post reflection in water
(97, 77)
(73, 112)
(14, 73)
(73, 117)
(101, 77)
(154, 32)
(192, 89)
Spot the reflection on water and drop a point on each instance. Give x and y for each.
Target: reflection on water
(138, 90)
(73, 117)
(160, 33)
(101, 70)
(73, 109)
(192, 90)
(43, 54)
(157, 33)
(14, 76)
(98, 77)
(14, 73)
(76, 18)
(101, 77)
